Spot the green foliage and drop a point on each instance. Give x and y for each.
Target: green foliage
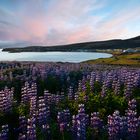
(53, 84)
(41, 86)
(75, 76)
(96, 103)
(55, 134)
(94, 134)
(23, 110)
(88, 90)
(17, 84)
(136, 92)
(17, 71)
(97, 87)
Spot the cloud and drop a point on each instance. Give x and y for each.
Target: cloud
(55, 22)
(117, 27)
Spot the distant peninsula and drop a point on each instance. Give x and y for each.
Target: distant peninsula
(86, 46)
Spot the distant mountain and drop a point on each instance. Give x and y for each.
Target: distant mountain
(12, 44)
(135, 38)
(86, 46)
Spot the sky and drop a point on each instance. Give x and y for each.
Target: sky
(56, 22)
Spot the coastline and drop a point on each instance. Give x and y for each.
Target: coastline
(117, 58)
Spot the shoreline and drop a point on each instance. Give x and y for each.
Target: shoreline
(117, 58)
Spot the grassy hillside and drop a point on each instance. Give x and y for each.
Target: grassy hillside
(119, 59)
(86, 46)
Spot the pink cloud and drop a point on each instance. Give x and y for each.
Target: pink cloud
(79, 35)
(65, 21)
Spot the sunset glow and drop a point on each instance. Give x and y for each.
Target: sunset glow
(53, 22)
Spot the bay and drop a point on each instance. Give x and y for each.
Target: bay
(75, 57)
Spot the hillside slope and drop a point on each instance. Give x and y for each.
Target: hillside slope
(86, 46)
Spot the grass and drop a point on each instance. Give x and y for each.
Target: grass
(119, 59)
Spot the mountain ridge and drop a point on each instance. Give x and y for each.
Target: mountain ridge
(84, 46)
